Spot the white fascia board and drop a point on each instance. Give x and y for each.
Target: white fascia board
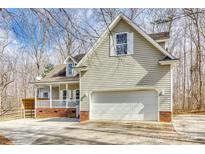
(168, 62)
(55, 82)
(71, 59)
(162, 40)
(137, 88)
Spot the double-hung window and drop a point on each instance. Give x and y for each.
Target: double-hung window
(64, 94)
(121, 44)
(69, 70)
(77, 94)
(45, 94)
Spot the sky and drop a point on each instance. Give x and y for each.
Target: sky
(26, 36)
(22, 36)
(23, 33)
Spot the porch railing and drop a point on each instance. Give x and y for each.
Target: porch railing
(57, 103)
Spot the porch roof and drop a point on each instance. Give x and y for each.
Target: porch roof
(58, 80)
(57, 75)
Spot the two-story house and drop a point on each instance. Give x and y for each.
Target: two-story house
(126, 75)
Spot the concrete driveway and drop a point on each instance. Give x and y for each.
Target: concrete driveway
(69, 131)
(26, 131)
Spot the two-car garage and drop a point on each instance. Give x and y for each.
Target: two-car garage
(124, 105)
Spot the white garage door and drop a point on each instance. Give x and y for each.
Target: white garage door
(121, 105)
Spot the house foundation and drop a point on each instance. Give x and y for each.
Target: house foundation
(84, 116)
(165, 116)
(55, 112)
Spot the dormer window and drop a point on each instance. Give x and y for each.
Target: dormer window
(69, 70)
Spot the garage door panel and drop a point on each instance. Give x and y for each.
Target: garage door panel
(130, 105)
(119, 117)
(117, 108)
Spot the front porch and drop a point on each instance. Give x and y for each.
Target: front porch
(69, 103)
(57, 100)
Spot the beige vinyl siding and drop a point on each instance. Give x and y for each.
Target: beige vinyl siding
(70, 86)
(55, 93)
(71, 89)
(129, 71)
(73, 86)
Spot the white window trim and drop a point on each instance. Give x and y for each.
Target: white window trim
(119, 55)
(118, 33)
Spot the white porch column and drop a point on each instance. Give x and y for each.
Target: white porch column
(59, 92)
(66, 95)
(35, 103)
(50, 96)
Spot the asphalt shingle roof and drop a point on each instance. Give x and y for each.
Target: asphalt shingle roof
(58, 73)
(160, 36)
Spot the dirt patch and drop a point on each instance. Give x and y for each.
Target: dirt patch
(191, 112)
(133, 125)
(4, 141)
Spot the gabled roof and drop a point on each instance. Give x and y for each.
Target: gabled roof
(132, 24)
(58, 70)
(78, 57)
(57, 74)
(70, 57)
(75, 58)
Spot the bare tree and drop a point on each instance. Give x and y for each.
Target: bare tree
(6, 66)
(41, 33)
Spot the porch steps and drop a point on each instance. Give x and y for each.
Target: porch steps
(29, 113)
